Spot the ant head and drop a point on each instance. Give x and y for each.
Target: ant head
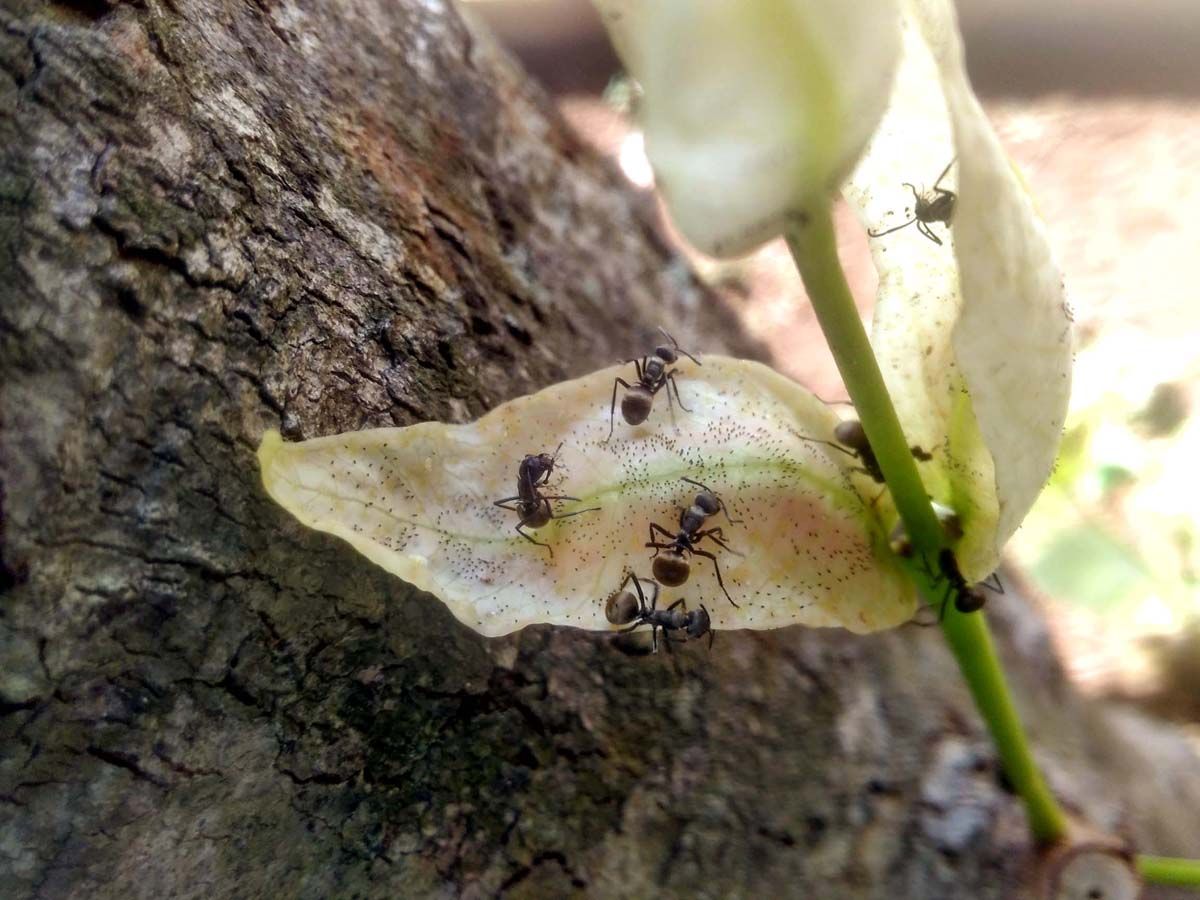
(666, 354)
(969, 600)
(698, 622)
(850, 433)
(670, 568)
(621, 608)
(709, 502)
(636, 405)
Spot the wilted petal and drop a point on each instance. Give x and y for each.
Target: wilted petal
(753, 108)
(973, 336)
(418, 501)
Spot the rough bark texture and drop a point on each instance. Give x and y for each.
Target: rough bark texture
(217, 217)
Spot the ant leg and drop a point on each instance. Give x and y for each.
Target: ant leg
(946, 170)
(717, 569)
(945, 600)
(835, 446)
(506, 500)
(670, 403)
(882, 491)
(653, 597)
(612, 410)
(732, 520)
(675, 384)
(677, 603)
(532, 540)
(717, 535)
(925, 230)
(876, 234)
(655, 528)
(999, 588)
(659, 546)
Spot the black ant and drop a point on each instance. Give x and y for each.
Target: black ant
(850, 433)
(623, 608)
(672, 567)
(967, 598)
(937, 205)
(653, 375)
(534, 506)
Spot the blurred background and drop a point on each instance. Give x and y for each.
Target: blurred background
(1099, 104)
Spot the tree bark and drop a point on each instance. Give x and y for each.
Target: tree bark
(218, 217)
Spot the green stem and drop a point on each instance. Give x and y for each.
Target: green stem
(814, 248)
(1167, 870)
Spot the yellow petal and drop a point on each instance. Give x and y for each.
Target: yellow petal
(418, 501)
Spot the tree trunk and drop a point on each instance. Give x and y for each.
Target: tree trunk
(218, 217)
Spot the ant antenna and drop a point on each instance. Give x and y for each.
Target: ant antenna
(675, 344)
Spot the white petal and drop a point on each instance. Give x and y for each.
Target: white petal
(418, 501)
(752, 108)
(972, 336)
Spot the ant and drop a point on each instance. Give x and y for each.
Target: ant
(653, 375)
(967, 598)
(672, 567)
(937, 205)
(850, 433)
(623, 608)
(534, 506)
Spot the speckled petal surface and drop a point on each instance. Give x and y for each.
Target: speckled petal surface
(418, 501)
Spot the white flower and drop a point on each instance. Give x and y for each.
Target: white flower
(753, 108)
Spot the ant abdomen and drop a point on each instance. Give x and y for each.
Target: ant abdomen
(969, 600)
(636, 405)
(670, 568)
(621, 608)
(851, 433)
(538, 515)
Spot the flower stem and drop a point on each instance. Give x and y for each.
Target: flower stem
(1166, 870)
(814, 249)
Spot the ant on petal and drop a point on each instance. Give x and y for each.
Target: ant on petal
(936, 205)
(653, 374)
(530, 503)
(623, 607)
(672, 567)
